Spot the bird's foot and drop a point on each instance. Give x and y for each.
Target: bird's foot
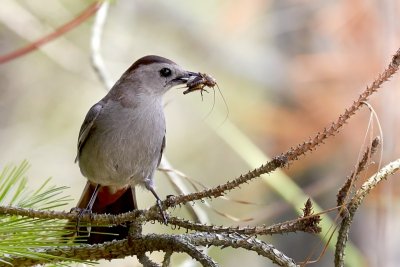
(163, 214)
(80, 213)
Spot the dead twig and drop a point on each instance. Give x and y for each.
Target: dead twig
(87, 13)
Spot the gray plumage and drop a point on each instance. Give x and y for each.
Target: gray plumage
(122, 137)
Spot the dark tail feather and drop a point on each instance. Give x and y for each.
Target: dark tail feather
(105, 203)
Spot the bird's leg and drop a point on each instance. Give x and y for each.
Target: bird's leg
(88, 208)
(159, 205)
(93, 197)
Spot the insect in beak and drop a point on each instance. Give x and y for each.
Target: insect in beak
(197, 81)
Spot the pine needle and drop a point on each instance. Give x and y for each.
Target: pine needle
(27, 237)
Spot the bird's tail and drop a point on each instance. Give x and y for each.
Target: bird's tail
(110, 202)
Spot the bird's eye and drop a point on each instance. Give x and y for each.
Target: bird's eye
(165, 72)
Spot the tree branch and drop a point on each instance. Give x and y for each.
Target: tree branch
(298, 225)
(87, 13)
(294, 153)
(221, 237)
(185, 243)
(355, 202)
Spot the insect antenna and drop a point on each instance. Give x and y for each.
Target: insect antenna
(225, 103)
(212, 107)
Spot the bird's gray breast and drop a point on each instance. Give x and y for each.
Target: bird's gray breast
(124, 144)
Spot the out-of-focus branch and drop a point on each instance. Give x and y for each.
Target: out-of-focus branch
(100, 68)
(300, 150)
(221, 189)
(87, 13)
(95, 45)
(140, 244)
(196, 212)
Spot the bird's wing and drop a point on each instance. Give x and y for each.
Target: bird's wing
(87, 125)
(161, 151)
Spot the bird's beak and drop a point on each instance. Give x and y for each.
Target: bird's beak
(186, 76)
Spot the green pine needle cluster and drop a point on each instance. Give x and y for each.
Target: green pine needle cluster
(26, 237)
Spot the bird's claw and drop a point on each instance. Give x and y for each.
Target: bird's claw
(81, 212)
(163, 215)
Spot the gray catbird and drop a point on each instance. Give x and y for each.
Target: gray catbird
(122, 139)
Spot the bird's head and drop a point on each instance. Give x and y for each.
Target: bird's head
(154, 75)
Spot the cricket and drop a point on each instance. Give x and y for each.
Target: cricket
(198, 83)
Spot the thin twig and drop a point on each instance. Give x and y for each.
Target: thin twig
(272, 165)
(294, 153)
(215, 192)
(148, 243)
(196, 212)
(355, 202)
(100, 69)
(343, 194)
(87, 13)
(297, 225)
(167, 259)
(95, 45)
(145, 261)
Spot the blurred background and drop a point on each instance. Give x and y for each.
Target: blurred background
(285, 68)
